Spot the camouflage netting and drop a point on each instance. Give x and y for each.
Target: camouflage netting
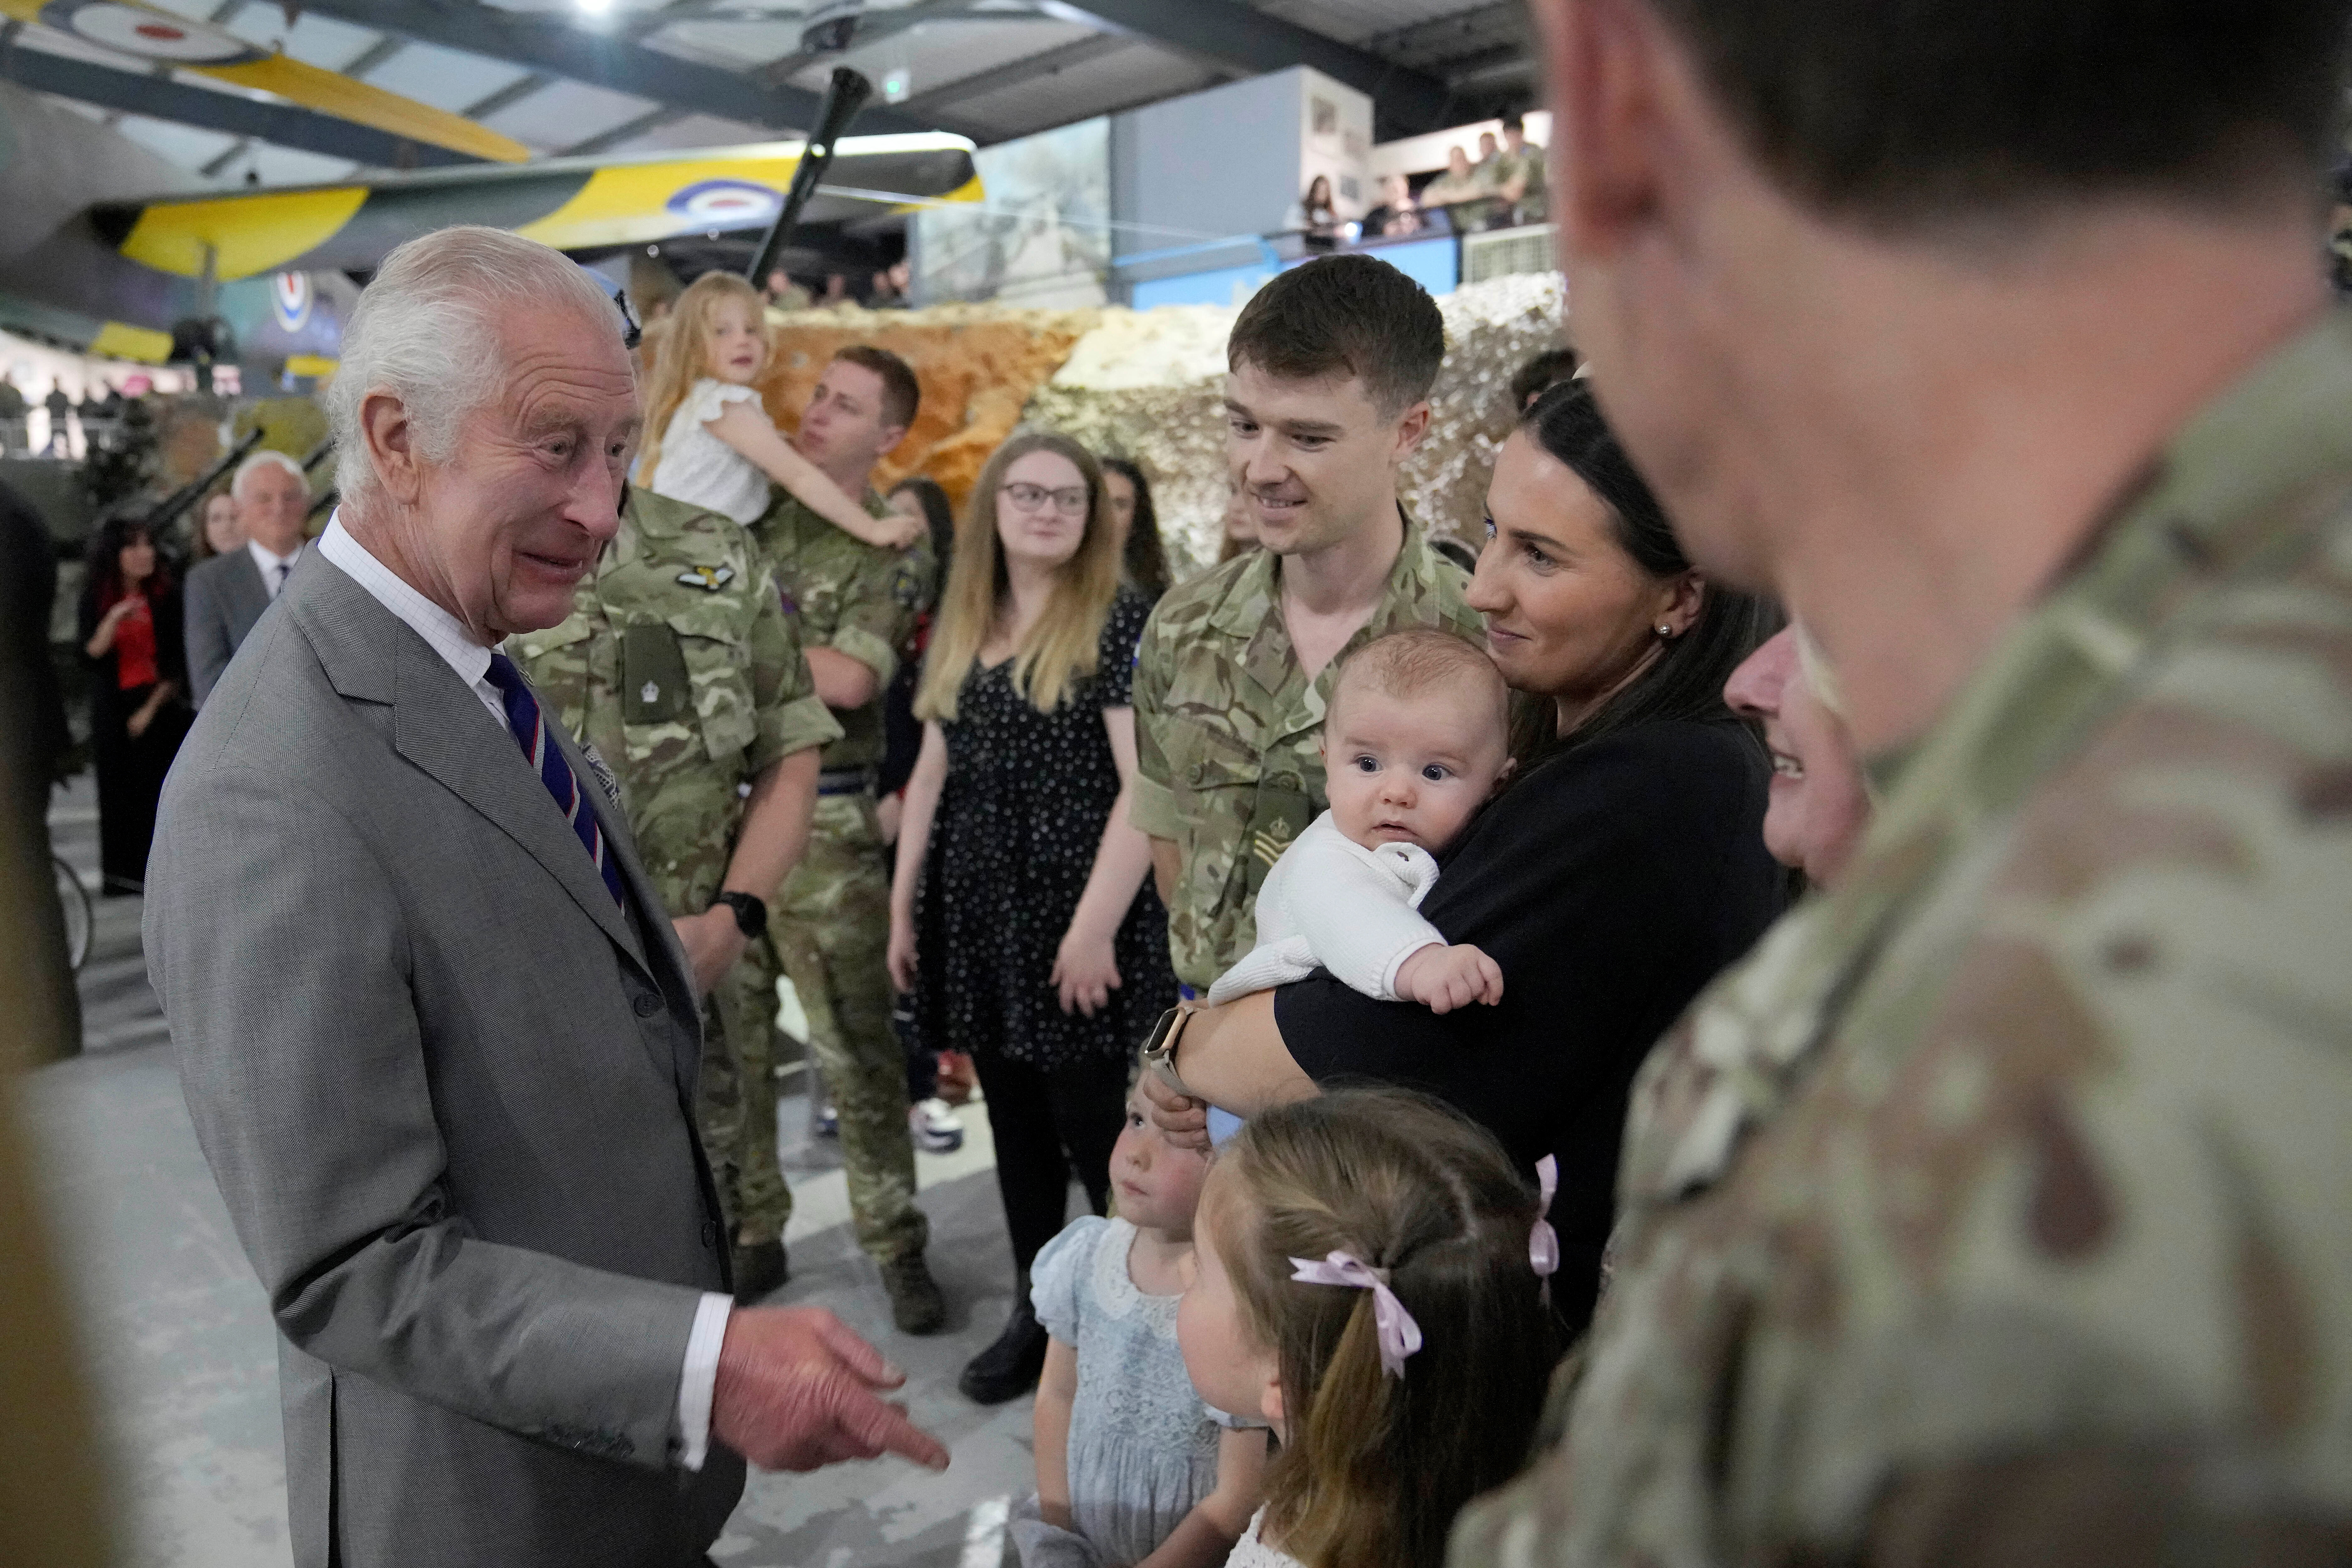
(977, 364)
(1146, 385)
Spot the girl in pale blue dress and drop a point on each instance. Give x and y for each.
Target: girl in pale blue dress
(1132, 1467)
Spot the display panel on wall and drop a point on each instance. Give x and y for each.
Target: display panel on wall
(1042, 238)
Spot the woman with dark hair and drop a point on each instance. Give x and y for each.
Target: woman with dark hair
(1621, 872)
(925, 501)
(130, 635)
(923, 498)
(1143, 557)
(1315, 216)
(937, 1128)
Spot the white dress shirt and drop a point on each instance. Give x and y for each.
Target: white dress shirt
(274, 568)
(448, 636)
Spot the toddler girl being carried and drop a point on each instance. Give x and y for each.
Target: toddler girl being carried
(1367, 1278)
(1131, 1466)
(708, 439)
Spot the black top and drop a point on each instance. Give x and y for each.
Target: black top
(1019, 821)
(32, 705)
(1609, 885)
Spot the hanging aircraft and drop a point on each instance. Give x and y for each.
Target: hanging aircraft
(92, 260)
(149, 36)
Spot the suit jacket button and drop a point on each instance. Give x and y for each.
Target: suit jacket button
(648, 1005)
(710, 1235)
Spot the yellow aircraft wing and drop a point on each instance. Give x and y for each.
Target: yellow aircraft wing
(571, 203)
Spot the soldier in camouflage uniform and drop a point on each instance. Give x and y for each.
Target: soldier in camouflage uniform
(679, 669)
(856, 605)
(1995, 1210)
(1236, 665)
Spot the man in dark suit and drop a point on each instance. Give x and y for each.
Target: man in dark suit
(436, 1033)
(226, 594)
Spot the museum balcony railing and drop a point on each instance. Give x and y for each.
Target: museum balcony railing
(1228, 271)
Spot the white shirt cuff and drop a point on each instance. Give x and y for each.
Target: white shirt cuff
(700, 1378)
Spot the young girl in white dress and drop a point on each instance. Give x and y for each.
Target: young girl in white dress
(1369, 1278)
(1131, 1466)
(709, 440)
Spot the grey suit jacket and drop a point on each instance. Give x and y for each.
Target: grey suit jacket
(446, 1088)
(222, 598)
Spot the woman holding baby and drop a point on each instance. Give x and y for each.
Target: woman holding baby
(1583, 881)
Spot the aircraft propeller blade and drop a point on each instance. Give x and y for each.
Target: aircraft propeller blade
(156, 36)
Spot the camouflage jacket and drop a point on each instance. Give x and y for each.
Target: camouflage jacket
(1227, 726)
(2031, 1145)
(849, 596)
(681, 667)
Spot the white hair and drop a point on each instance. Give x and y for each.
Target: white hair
(266, 458)
(426, 332)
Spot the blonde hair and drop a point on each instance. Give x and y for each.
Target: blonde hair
(678, 364)
(1411, 1188)
(1061, 648)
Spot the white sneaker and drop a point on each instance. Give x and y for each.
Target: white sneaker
(937, 1128)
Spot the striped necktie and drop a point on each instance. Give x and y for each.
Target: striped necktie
(530, 732)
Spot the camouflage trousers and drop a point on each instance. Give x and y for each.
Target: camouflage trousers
(832, 934)
(736, 1103)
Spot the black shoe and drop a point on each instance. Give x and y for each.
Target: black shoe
(916, 1304)
(760, 1269)
(1011, 1367)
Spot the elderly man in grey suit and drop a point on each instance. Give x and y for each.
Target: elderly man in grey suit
(226, 594)
(437, 1036)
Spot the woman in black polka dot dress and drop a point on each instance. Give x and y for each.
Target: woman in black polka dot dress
(1022, 916)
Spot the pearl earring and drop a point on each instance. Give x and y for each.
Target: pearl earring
(1664, 630)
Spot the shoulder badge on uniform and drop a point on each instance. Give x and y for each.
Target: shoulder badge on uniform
(605, 779)
(709, 579)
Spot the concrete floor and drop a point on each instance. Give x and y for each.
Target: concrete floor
(180, 1351)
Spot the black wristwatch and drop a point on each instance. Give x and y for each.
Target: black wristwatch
(750, 914)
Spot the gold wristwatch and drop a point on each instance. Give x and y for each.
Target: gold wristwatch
(1160, 1050)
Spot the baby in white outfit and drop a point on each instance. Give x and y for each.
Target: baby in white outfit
(1416, 740)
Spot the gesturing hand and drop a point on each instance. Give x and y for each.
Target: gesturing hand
(797, 1390)
(1183, 1120)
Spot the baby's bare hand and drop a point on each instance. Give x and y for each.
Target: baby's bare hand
(1443, 978)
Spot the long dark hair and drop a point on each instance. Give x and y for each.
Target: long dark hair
(938, 514)
(1686, 680)
(1146, 556)
(104, 562)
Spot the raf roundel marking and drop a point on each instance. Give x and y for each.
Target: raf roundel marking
(726, 203)
(289, 298)
(149, 34)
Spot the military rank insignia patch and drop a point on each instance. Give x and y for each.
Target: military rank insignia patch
(709, 579)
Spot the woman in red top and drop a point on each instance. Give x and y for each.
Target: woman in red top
(131, 632)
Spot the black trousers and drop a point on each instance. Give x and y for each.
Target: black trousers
(1050, 1123)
